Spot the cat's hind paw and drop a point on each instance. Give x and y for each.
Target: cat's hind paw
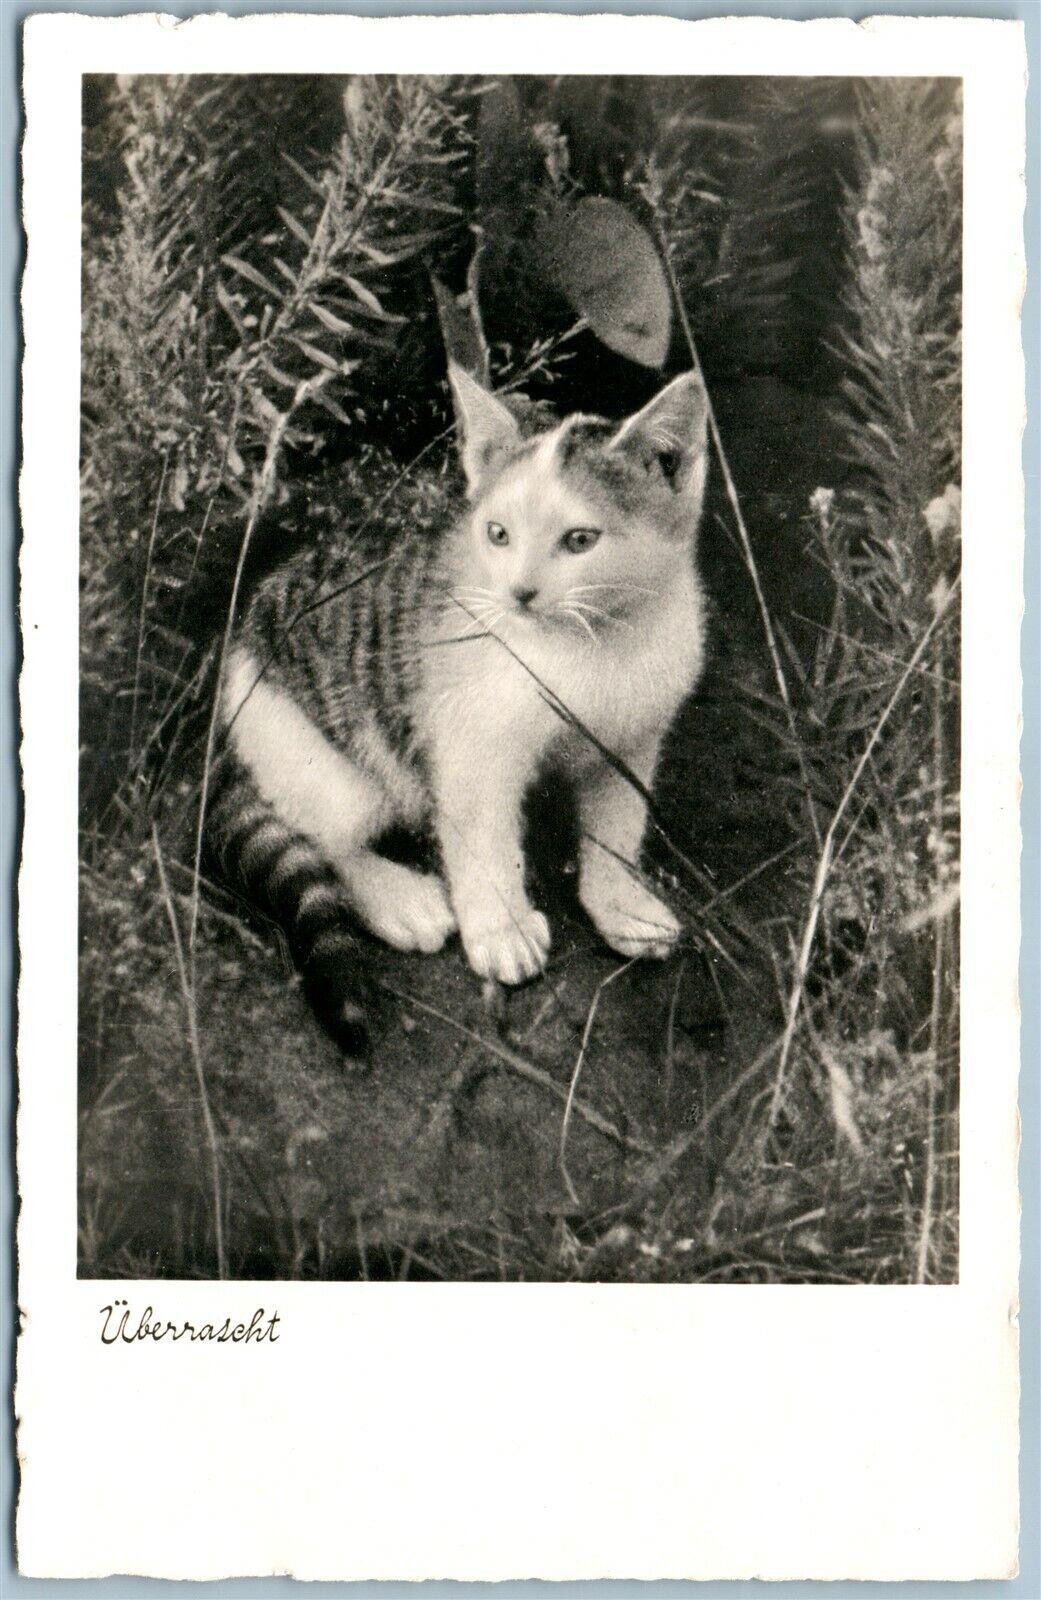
(510, 951)
(633, 921)
(407, 909)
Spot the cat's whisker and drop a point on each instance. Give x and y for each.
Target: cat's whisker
(478, 610)
(486, 615)
(635, 588)
(577, 616)
(605, 616)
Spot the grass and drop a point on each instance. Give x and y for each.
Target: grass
(778, 1102)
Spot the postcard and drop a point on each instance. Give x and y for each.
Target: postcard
(521, 580)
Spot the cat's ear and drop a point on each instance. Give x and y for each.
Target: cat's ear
(669, 437)
(488, 431)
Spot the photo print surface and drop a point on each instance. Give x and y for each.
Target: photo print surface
(520, 660)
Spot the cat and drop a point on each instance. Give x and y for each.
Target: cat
(557, 622)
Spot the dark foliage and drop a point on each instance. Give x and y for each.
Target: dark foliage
(263, 367)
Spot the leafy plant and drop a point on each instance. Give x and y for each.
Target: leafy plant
(273, 270)
(607, 268)
(877, 958)
(206, 358)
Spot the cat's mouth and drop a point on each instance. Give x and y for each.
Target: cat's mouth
(504, 615)
(508, 610)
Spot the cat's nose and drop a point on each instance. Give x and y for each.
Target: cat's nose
(523, 597)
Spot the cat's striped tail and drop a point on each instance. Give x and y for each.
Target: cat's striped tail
(285, 876)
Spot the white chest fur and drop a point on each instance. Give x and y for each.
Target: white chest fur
(531, 691)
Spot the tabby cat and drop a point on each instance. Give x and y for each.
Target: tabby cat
(558, 622)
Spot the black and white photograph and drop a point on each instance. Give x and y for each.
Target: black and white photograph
(519, 709)
(520, 590)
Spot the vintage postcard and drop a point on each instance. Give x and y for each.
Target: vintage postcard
(521, 579)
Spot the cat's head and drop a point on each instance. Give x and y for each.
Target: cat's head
(584, 523)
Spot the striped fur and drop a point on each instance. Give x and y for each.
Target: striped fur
(340, 649)
(288, 879)
(369, 690)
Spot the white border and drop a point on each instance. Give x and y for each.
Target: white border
(490, 1432)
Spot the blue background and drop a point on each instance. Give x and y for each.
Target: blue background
(1028, 1585)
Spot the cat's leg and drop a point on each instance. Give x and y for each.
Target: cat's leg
(613, 816)
(479, 798)
(407, 909)
(338, 804)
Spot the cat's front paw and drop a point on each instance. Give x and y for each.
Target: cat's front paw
(508, 949)
(631, 919)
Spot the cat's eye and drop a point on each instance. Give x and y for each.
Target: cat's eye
(497, 534)
(577, 540)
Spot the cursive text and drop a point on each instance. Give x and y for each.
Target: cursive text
(119, 1328)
